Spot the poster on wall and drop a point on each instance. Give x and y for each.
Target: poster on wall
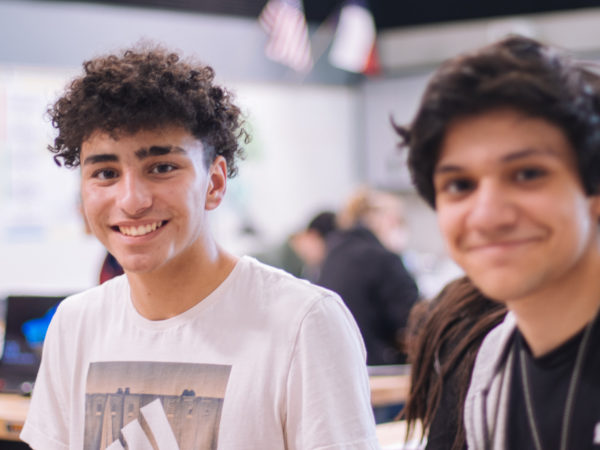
(38, 199)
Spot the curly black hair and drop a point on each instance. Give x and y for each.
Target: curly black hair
(518, 73)
(146, 88)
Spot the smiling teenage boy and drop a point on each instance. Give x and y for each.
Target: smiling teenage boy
(505, 146)
(193, 348)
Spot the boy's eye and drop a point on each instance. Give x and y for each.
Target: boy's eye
(105, 174)
(162, 168)
(458, 186)
(530, 173)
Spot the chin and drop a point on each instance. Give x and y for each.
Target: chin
(501, 289)
(137, 265)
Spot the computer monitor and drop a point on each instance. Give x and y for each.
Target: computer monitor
(25, 320)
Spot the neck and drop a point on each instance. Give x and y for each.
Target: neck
(180, 285)
(551, 316)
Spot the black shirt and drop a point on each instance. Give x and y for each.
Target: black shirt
(376, 287)
(549, 378)
(444, 425)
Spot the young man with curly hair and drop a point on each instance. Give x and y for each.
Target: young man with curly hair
(192, 348)
(506, 147)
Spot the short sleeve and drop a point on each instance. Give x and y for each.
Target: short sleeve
(46, 425)
(328, 395)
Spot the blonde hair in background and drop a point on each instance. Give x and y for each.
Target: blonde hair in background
(380, 211)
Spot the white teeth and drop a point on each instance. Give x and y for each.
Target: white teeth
(140, 230)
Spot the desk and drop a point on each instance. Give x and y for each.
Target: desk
(13, 410)
(389, 389)
(389, 384)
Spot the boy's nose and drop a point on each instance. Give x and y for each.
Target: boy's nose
(134, 195)
(492, 208)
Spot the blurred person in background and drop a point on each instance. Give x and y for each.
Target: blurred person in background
(311, 243)
(283, 256)
(364, 266)
(302, 253)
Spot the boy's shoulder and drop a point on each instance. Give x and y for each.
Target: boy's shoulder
(492, 352)
(272, 287)
(268, 278)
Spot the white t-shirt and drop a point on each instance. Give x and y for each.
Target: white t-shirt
(265, 362)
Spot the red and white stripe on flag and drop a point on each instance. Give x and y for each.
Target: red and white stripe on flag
(353, 47)
(288, 43)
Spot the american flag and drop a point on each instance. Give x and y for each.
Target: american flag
(288, 43)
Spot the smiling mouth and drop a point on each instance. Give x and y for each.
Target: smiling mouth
(504, 244)
(140, 230)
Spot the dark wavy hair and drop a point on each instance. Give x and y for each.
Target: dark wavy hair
(146, 88)
(443, 338)
(518, 73)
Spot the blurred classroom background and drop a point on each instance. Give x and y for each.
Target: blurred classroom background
(320, 131)
(317, 134)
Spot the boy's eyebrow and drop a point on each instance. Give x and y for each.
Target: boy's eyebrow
(106, 157)
(528, 152)
(142, 153)
(446, 168)
(158, 150)
(506, 158)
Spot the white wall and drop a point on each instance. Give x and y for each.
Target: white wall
(396, 98)
(426, 46)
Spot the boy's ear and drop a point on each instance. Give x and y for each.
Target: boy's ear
(217, 183)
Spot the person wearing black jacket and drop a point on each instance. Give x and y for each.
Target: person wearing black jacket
(372, 279)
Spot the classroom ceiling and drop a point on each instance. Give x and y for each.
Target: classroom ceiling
(388, 14)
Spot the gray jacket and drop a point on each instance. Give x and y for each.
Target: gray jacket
(486, 405)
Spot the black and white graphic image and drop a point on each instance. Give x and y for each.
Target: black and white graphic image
(137, 405)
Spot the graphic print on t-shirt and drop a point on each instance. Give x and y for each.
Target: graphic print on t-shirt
(139, 405)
